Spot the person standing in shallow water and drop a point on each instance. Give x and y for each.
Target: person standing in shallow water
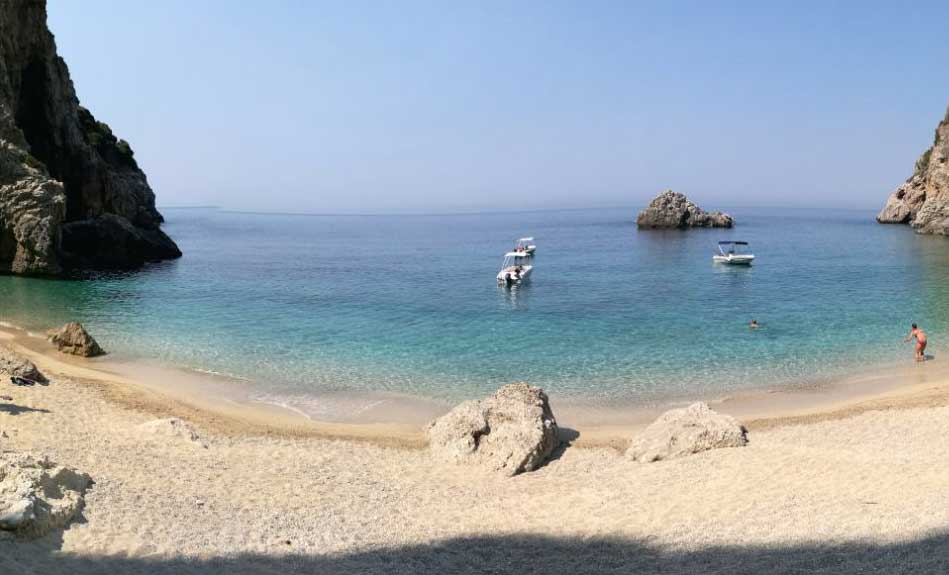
(920, 336)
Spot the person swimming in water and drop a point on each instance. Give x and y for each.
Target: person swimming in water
(753, 324)
(920, 336)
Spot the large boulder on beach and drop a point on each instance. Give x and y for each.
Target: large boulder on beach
(682, 432)
(13, 363)
(672, 210)
(37, 496)
(73, 339)
(511, 432)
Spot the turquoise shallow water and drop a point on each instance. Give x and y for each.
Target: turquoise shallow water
(302, 304)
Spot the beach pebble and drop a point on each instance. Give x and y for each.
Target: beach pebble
(172, 427)
(511, 432)
(682, 432)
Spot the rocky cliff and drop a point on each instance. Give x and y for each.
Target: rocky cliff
(71, 193)
(673, 210)
(923, 200)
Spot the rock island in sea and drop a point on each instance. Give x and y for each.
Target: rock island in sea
(672, 210)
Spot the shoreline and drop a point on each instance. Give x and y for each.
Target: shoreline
(205, 405)
(230, 406)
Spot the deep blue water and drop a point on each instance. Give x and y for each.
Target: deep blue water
(410, 304)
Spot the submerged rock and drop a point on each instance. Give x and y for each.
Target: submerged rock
(71, 193)
(73, 339)
(12, 363)
(511, 432)
(673, 210)
(923, 200)
(37, 496)
(172, 427)
(682, 432)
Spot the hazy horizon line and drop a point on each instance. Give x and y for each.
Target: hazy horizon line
(488, 211)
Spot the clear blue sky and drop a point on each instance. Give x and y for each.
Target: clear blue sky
(439, 106)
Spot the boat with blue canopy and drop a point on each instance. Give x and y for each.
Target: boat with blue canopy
(734, 253)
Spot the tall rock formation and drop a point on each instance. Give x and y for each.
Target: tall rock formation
(71, 193)
(673, 210)
(923, 200)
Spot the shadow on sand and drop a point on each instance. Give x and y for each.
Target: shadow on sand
(517, 555)
(14, 409)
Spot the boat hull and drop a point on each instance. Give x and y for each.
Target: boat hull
(734, 260)
(508, 277)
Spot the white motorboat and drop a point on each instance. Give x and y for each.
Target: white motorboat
(733, 253)
(516, 268)
(525, 245)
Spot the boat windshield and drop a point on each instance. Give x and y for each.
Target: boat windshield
(732, 248)
(515, 259)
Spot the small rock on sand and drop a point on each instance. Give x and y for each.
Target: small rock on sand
(511, 432)
(682, 432)
(173, 427)
(37, 496)
(73, 339)
(12, 363)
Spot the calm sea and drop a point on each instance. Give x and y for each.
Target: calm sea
(302, 304)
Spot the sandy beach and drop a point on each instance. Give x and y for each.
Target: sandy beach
(858, 487)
